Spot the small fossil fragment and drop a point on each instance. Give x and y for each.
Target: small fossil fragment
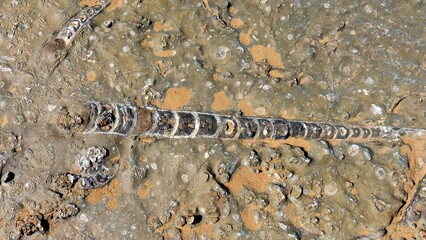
(56, 48)
(94, 172)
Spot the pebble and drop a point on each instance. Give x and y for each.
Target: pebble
(154, 166)
(126, 49)
(353, 150)
(330, 189)
(368, 8)
(84, 218)
(51, 107)
(380, 173)
(185, 178)
(376, 109)
(366, 154)
(296, 191)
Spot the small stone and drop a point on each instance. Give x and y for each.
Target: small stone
(84, 218)
(376, 109)
(330, 189)
(180, 221)
(296, 191)
(380, 173)
(51, 107)
(221, 52)
(366, 154)
(185, 178)
(353, 150)
(368, 8)
(126, 49)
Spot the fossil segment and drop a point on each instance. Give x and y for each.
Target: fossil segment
(56, 48)
(122, 119)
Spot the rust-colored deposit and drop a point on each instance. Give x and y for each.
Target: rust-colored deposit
(111, 191)
(91, 76)
(165, 53)
(144, 190)
(175, 98)
(259, 53)
(201, 229)
(221, 102)
(247, 216)
(244, 177)
(244, 105)
(161, 27)
(3, 121)
(236, 23)
(416, 152)
(245, 37)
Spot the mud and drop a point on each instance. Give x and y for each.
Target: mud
(315, 61)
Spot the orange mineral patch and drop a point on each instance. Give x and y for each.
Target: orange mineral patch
(245, 37)
(245, 107)
(3, 121)
(164, 27)
(237, 23)
(144, 190)
(91, 76)
(201, 229)
(276, 73)
(259, 52)
(176, 98)
(114, 5)
(89, 2)
(247, 216)
(417, 171)
(165, 53)
(221, 102)
(244, 177)
(110, 191)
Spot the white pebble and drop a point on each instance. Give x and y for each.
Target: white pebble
(51, 107)
(376, 109)
(185, 178)
(368, 8)
(353, 150)
(369, 81)
(126, 49)
(84, 218)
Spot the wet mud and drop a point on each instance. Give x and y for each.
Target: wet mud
(336, 62)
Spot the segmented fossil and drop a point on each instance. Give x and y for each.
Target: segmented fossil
(56, 48)
(122, 119)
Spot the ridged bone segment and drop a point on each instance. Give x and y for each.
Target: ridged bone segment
(121, 119)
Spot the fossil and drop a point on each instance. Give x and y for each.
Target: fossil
(56, 48)
(123, 120)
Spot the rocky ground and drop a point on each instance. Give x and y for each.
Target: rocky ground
(336, 61)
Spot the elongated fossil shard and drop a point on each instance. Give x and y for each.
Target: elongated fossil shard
(56, 48)
(122, 119)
